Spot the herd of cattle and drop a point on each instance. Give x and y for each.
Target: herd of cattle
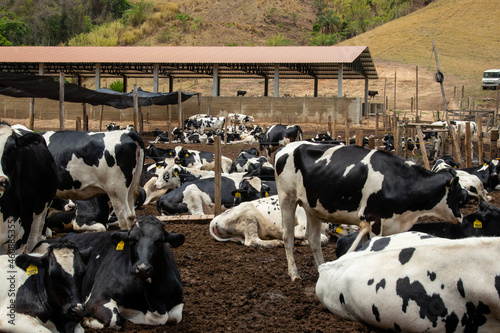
(439, 276)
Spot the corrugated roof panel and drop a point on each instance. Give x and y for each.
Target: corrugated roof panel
(188, 55)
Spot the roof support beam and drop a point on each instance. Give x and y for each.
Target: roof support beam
(315, 87)
(156, 70)
(339, 79)
(366, 97)
(276, 80)
(215, 88)
(97, 76)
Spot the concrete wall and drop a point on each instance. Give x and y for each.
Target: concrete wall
(264, 109)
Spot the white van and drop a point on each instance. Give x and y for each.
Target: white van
(491, 79)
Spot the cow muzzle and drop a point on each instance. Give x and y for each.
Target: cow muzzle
(4, 183)
(143, 271)
(75, 311)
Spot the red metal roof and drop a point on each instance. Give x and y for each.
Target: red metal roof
(184, 61)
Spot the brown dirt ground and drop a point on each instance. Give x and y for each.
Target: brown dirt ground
(230, 287)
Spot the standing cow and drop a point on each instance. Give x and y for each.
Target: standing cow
(354, 185)
(93, 163)
(413, 282)
(28, 183)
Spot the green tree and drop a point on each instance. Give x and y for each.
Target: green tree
(13, 30)
(278, 40)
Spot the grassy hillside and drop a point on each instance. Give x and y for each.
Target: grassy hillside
(465, 32)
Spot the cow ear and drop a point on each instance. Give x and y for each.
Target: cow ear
(86, 254)
(454, 183)
(119, 236)
(174, 239)
(24, 261)
(236, 193)
(29, 138)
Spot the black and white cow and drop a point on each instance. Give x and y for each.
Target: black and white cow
(423, 286)
(249, 160)
(94, 163)
(179, 136)
(28, 183)
(203, 160)
(324, 138)
(89, 215)
(43, 293)
(131, 275)
(484, 222)
(488, 173)
(236, 119)
(258, 223)
(201, 123)
(159, 154)
(197, 197)
(160, 135)
(471, 183)
(277, 136)
(354, 185)
(252, 188)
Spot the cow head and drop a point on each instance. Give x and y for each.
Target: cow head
(168, 177)
(61, 270)
(250, 188)
(147, 242)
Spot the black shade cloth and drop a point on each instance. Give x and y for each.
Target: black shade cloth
(18, 85)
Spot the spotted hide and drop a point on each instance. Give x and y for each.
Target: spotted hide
(413, 282)
(258, 223)
(41, 293)
(131, 275)
(28, 182)
(354, 185)
(93, 163)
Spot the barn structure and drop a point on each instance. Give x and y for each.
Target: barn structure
(181, 62)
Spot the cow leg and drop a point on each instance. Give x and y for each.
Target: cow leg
(364, 230)
(313, 233)
(123, 208)
(23, 323)
(250, 229)
(105, 314)
(288, 206)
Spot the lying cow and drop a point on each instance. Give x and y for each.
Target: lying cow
(89, 215)
(412, 283)
(354, 185)
(41, 293)
(484, 222)
(258, 223)
(197, 197)
(131, 275)
(201, 123)
(94, 163)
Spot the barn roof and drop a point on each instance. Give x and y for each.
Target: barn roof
(295, 62)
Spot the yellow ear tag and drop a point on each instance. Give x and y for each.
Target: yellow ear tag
(485, 164)
(159, 166)
(176, 173)
(170, 153)
(120, 246)
(187, 155)
(478, 224)
(237, 195)
(32, 270)
(266, 194)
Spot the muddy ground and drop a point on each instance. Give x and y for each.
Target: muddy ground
(232, 288)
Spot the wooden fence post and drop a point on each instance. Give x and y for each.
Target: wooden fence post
(217, 178)
(480, 140)
(359, 137)
(468, 145)
(422, 147)
(493, 144)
